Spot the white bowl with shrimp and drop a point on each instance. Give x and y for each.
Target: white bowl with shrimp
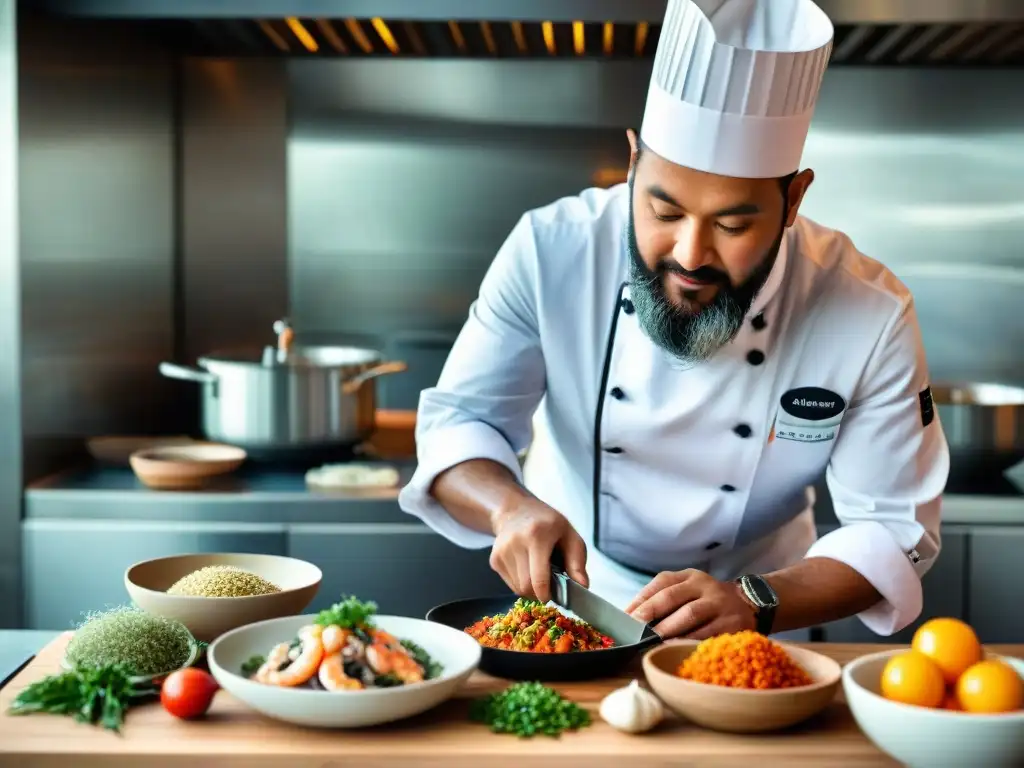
(456, 652)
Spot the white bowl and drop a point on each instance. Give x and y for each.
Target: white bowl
(455, 650)
(930, 738)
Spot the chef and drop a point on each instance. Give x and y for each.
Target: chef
(696, 355)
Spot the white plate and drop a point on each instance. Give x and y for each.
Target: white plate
(455, 650)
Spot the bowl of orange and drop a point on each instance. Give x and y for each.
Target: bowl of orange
(741, 682)
(944, 701)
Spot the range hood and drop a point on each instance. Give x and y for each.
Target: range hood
(868, 32)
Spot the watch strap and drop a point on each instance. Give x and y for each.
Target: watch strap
(760, 594)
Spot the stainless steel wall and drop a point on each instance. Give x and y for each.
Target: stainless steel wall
(405, 176)
(10, 325)
(97, 220)
(233, 211)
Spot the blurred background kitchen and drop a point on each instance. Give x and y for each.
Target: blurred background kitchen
(171, 184)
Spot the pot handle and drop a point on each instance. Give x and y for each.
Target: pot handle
(351, 386)
(184, 373)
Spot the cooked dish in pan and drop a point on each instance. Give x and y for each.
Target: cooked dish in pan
(537, 628)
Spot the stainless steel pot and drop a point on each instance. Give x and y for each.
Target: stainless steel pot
(984, 425)
(288, 399)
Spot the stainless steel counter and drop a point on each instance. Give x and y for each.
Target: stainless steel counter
(84, 527)
(252, 495)
(275, 496)
(17, 647)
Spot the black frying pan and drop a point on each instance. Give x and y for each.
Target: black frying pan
(522, 665)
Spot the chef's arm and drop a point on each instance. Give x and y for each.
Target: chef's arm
(819, 590)
(475, 492)
(472, 425)
(886, 477)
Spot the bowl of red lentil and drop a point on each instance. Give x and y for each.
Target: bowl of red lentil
(742, 682)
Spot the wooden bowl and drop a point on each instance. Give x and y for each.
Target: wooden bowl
(117, 449)
(185, 467)
(738, 710)
(207, 618)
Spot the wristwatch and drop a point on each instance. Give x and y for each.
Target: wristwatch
(761, 595)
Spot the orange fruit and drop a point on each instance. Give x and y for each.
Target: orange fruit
(990, 686)
(950, 643)
(913, 678)
(952, 702)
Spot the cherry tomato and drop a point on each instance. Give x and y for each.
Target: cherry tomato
(188, 692)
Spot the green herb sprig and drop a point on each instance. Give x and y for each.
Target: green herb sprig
(431, 668)
(529, 709)
(251, 665)
(350, 613)
(99, 695)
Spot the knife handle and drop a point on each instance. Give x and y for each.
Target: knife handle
(557, 560)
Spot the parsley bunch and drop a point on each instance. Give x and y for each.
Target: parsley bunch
(528, 709)
(92, 695)
(350, 613)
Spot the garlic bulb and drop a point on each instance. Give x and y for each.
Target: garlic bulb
(632, 709)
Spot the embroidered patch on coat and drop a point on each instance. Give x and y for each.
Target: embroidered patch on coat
(809, 415)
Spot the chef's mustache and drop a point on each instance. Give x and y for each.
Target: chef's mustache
(708, 275)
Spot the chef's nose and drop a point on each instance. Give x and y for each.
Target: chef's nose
(694, 245)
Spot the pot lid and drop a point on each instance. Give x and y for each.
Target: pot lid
(296, 357)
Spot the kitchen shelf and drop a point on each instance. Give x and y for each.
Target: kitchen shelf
(264, 495)
(253, 494)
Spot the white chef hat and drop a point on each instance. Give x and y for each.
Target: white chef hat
(735, 83)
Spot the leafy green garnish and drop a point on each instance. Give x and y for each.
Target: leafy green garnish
(431, 668)
(350, 613)
(92, 695)
(528, 709)
(252, 664)
(555, 632)
(387, 681)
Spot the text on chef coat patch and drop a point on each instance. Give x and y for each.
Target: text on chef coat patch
(808, 415)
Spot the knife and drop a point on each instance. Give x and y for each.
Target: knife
(593, 609)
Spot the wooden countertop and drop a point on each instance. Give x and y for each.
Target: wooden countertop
(233, 736)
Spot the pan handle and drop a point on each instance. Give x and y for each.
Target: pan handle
(351, 386)
(185, 373)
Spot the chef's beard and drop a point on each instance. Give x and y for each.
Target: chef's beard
(691, 336)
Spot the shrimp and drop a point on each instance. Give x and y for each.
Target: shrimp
(386, 661)
(278, 658)
(380, 637)
(305, 664)
(335, 638)
(332, 675)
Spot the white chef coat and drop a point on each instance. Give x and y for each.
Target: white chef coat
(708, 466)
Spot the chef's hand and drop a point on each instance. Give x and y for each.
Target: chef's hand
(525, 537)
(692, 604)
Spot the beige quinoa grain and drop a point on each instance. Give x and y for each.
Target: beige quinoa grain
(222, 581)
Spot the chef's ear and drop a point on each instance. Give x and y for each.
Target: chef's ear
(795, 194)
(634, 148)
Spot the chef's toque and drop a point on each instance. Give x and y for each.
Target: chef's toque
(735, 83)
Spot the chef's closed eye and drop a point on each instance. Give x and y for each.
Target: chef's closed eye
(733, 226)
(663, 212)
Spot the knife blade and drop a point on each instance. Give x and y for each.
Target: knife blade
(595, 610)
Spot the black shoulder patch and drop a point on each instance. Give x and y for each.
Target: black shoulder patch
(927, 406)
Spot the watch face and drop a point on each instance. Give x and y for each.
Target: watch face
(763, 594)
